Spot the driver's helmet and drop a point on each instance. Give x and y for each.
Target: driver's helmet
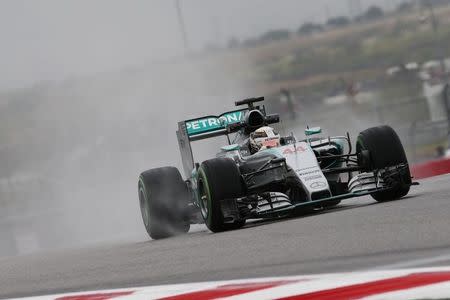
(264, 138)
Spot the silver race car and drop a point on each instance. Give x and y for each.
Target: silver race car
(260, 174)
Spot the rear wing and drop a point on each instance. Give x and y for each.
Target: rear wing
(203, 128)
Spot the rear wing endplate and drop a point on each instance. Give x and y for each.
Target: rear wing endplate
(203, 128)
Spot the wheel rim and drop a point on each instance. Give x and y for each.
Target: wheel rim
(203, 194)
(144, 207)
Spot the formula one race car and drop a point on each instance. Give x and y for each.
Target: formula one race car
(260, 174)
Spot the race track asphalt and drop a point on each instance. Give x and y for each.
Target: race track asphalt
(360, 234)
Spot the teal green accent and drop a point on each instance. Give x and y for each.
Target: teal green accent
(194, 173)
(312, 131)
(340, 144)
(359, 141)
(209, 124)
(230, 147)
(208, 194)
(144, 189)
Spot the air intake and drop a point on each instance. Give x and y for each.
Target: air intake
(255, 119)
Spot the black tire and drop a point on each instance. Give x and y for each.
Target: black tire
(385, 150)
(218, 179)
(163, 198)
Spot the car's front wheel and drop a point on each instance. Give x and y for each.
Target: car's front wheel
(385, 150)
(218, 179)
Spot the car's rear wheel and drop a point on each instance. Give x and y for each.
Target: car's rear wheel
(219, 179)
(163, 199)
(385, 150)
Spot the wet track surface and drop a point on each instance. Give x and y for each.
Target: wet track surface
(357, 235)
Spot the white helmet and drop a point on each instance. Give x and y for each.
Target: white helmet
(264, 138)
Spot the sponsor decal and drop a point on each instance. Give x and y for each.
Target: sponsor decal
(271, 143)
(309, 178)
(292, 150)
(317, 185)
(300, 173)
(214, 123)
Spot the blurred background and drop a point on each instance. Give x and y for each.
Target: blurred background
(91, 93)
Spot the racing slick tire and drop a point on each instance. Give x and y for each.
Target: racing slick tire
(385, 150)
(219, 179)
(163, 199)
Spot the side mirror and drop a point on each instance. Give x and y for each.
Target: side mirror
(312, 131)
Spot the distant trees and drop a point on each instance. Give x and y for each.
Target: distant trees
(270, 36)
(275, 35)
(405, 7)
(425, 3)
(310, 28)
(338, 21)
(374, 13)
(409, 5)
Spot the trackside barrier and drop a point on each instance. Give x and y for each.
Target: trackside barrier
(431, 168)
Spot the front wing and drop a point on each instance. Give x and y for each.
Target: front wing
(287, 210)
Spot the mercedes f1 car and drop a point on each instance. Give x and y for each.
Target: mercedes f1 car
(292, 177)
